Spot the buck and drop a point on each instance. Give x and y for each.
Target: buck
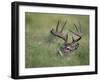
(67, 47)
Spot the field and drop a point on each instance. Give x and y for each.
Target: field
(41, 46)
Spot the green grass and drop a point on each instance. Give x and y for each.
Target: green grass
(41, 46)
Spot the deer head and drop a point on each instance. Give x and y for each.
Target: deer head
(67, 47)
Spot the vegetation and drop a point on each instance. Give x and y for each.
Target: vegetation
(41, 47)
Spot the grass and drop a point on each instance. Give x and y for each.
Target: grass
(41, 46)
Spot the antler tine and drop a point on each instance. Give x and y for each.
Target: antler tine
(57, 26)
(75, 33)
(76, 40)
(63, 26)
(80, 27)
(66, 37)
(73, 38)
(76, 28)
(58, 33)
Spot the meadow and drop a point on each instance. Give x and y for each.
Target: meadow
(41, 46)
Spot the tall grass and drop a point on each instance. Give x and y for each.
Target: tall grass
(41, 47)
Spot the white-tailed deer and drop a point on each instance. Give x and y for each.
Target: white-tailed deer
(67, 48)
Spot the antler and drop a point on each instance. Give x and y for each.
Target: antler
(60, 33)
(78, 33)
(67, 47)
(63, 36)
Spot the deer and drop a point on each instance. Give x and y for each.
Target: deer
(67, 47)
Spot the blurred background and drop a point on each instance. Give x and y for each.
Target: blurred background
(41, 46)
